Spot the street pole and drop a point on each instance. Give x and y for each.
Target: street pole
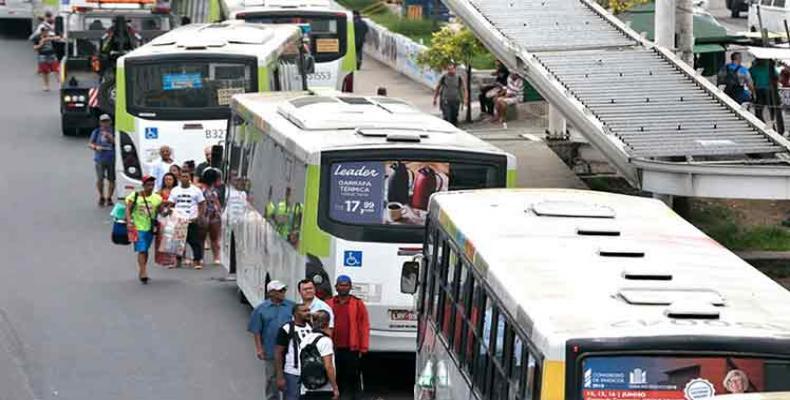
(685, 31)
(665, 24)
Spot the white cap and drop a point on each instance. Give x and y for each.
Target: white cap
(275, 285)
(105, 117)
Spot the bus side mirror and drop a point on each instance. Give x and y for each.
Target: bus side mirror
(217, 152)
(408, 277)
(309, 64)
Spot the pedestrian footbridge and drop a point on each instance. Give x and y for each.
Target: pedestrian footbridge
(665, 128)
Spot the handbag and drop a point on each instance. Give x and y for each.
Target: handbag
(120, 234)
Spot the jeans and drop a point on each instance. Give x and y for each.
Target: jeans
(195, 241)
(270, 390)
(486, 104)
(291, 387)
(348, 369)
(763, 98)
(450, 111)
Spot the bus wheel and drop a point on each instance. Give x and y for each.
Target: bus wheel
(232, 257)
(67, 129)
(242, 297)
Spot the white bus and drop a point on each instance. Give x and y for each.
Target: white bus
(16, 10)
(176, 89)
(580, 295)
(320, 186)
(330, 29)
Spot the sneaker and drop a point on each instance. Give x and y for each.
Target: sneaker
(198, 266)
(108, 202)
(101, 201)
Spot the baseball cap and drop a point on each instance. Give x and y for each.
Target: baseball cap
(148, 178)
(343, 279)
(275, 285)
(105, 117)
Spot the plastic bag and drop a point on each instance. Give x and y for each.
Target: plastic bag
(174, 234)
(119, 211)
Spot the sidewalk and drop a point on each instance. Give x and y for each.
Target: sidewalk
(538, 166)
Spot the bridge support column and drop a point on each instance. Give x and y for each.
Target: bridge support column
(558, 126)
(679, 204)
(665, 23)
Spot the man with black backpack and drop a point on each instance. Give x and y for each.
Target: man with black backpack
(736, 80)
(317, 360)
(286, 351)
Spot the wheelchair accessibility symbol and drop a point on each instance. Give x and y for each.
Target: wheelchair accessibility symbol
(352, 259)
(152, 133)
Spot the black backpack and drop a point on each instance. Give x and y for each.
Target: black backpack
(313, 372)
(732, 85)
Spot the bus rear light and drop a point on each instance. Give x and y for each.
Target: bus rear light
(131, 162)
(348, 83)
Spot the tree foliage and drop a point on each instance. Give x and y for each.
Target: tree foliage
(453, 45)
(450, 45)
(618, 6)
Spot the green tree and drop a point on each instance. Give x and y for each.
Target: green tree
(618, 6)
(451, 44)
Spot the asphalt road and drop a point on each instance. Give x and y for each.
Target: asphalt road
(74, 321)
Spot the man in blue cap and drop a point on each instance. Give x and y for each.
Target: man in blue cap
(351, 336)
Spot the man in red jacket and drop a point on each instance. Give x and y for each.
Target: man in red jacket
(351, 336)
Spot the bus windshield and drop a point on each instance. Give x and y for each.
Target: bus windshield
(363, 195)
(327, 34)
(170, 87)
(680, 377)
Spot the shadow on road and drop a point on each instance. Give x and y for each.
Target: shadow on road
(14, 29)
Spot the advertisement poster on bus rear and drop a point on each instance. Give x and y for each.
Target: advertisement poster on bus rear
(672, 378)
(392, 192)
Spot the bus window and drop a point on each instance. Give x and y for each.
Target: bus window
(185, 89)
(519, 360)
(450, 296)
(386, 200)
(461, 317)
(327, 35)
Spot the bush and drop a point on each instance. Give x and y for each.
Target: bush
(719, 223)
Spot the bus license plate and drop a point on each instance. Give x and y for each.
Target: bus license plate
(402, 315)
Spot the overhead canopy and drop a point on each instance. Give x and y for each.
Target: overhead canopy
(774, 53)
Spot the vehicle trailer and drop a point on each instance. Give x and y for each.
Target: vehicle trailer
(95, 39)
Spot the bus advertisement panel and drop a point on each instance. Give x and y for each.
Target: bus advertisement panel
(689, 378)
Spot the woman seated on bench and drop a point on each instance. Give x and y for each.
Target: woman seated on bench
(512, 95)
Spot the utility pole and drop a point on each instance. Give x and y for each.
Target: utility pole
(665, 24)
(685, 31)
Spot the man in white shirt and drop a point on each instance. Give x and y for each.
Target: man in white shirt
(321, 337)
(286, 352)
(306, 289)
(188, 203)
(162, 166)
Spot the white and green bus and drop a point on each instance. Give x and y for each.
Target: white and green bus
(176, 89)
(320, 186)
(580, 295)
(329, 28)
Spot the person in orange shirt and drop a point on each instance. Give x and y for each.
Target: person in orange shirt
(351, 337)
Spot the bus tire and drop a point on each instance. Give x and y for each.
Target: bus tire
(242, 297)
(66, 128)
(232, 257)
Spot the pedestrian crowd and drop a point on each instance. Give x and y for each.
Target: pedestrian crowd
(312, 349)
(176, 208)
(758, 87)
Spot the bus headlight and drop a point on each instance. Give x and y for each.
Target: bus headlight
(67, 99)
(318, 279)
(127, 148)
(131, 170)
(80, 98)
